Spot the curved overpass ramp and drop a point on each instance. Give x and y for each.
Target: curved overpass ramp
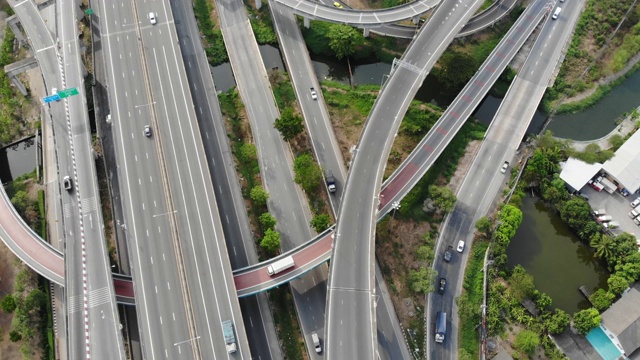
(27, 245)
(360, 18)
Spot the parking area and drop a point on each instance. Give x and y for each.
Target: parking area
(616, 205)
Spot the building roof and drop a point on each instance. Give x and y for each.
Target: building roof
(577, 173)
(623, 319)
(625, 164)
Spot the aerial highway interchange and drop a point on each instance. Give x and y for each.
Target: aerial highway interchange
(163, 111)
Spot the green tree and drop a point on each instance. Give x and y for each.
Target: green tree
(288, 124)
(521, 283)
(35, 300)
(259, 195)
(617, 283)
(321, 222)
(630, 267)
(267, 221)
(576, 212)
(543, 301)
(15, 336)
(443, 198)
(21, 201)
(602, 299)
(248, 153)
(425, 253)
(271, 241)
(456, 68)
(557, 322)
(307, 173)
(344, 40)
(527, 341)
(483, 225)
(585, 320)
(616, 140)
(421, 280)
(8, 304)
(604, 246)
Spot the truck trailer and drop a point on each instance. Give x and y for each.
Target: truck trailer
(280, 265)
(229, 336)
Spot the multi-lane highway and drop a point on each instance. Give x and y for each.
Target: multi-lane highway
(180, 264)
(242, 252)
(351, 292)
(483, 181)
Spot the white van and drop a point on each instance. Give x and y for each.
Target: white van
(556, 13)
(316, 342)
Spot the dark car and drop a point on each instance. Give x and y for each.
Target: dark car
(443, 286)
(448, 254)
(67, 184)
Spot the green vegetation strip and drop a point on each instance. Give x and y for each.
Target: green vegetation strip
(469, 302)
(213, 42)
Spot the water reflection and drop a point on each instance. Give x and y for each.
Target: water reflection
(17, 160)
(559, 262)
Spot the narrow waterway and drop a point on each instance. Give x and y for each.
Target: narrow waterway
(17, 160)
(558, 261)
(598, 120)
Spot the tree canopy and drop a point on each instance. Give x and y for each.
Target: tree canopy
(289, 124)
(271, 241)
(587, 319)
(344, 40)
(443, 198)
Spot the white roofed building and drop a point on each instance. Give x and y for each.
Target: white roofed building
(624, 167)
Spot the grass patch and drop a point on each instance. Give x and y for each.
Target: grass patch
(472, 296)
(212, 38)
(286, 322)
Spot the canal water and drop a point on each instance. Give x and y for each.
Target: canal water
(17, 160)
(598, 120)
(558, 261)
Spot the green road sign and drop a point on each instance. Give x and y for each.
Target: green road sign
(68, 92)
(88, 11)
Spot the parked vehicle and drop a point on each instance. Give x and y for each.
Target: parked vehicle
(635, 202)
(280, 265)
(637, 221)
(634, 213)
(611, 225)
(599, 212)
(331, 182)
(229, 336)
(604, 218)
(441, 327)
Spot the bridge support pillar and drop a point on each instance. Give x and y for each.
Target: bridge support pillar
(307, 22)
(13, 22)
(365, 32)
(415, 20)
(258, 4)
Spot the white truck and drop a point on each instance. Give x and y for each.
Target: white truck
(229, 336)
(280, 265)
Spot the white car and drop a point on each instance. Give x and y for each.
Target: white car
(504, 168)
(152, 18)
(635, 202)
(460, 247)
(314, 95)
(147, 131)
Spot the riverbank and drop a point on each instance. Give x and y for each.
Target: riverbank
(626, 127)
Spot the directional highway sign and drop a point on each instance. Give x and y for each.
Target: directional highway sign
(68, 92)
(54, 97)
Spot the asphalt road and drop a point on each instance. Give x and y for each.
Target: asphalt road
(90, 292)
(328, 155)
(261, 333)
(351, 293)
(286, 201)
(181, 267)
(484, 181)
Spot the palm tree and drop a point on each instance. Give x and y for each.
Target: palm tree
(604, 247)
